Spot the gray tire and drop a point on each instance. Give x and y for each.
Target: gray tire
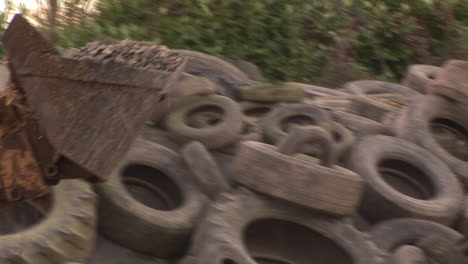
(451, 81)
(220, 134)
(150, 204)
(377, 87)
(277, 123)
(404, 180)
(66, 233)
(391, 234)
(204, 169)
(418, 122)
(419, 76)
(333, 189)
(245, 228)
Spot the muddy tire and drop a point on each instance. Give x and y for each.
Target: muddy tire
(391, 234)
(277, 123)
(312, 91)
(451, 81)
(256, 111)
(189, 85)
(434, 113)
(244, 228)
(408, 255)
(249, 69)
(404, 180)
(158, 136)
(419, 76)
(204, 169)
(343, 140)
(375, 107)
(66, 233)
(198, 60)
(227, 78)
(377, 87)
(152, 193)
(462, 223)
(222, 133)
(327, 188)
(360, 126)
(267, 92)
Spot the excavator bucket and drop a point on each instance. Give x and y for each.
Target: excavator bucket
(81, 117)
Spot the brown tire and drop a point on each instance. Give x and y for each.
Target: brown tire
(426, 115)
(407, 254)
(204, 169)
(377, 87)
(404, 180)
(374, 107)
(244, 228)
(150, 204)
(327, 188)
(391, 234)
(249, 69)
(66, 232)
(222, 133)
(451, 81)
(198, 60)
(277, 123)
(419, 76)
(360, 126)
(227, 78)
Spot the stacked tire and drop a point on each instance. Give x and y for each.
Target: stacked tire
(232, 170)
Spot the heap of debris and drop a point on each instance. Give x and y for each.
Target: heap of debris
(140, 54)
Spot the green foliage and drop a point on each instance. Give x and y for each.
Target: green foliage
(325, 42)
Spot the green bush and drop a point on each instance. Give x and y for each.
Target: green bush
(325, 42)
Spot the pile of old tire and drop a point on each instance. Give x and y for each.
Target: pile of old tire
(233, 170)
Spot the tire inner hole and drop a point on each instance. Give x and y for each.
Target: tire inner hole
(18, 216)
(406, 178)
(258, 111)
(451, 136)
(274, 241)
(297, 120)
(151, 187)
(205, 116)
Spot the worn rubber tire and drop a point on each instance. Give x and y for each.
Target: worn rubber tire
(273, 127)
(227, 78)
(343, 140)
(378, 87)
(415, 125)
(333, 190)
(66, 234)
(189, 85)
(462, 223)
(391, 234)
(313, 91)
(158, 136)
(451, 81)
(436, 194)
(197, 60)
(418, 76)
(249, 69)
(360, 126)
(241, 226)
(267, 92)
(108, 252)
(219, 135)
(408, 254)
(204, 169)
(375, 107)
(256, 111)
(150, 230)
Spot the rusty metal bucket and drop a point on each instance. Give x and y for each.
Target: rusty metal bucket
(80, 116)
